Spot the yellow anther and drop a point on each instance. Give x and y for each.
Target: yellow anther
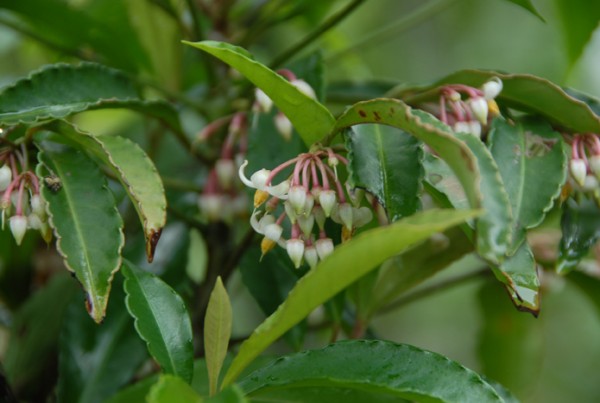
(493, 109)
(266, 245)
(260, 196)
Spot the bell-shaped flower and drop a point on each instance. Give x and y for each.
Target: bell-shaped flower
(259, 225)
(263, 101)
(492, 88)
(324, 247)
(5, 177)
(578, 170)
(590, 183)
(34, 222)
(18, 226)
(295, 250)
(479, 107)
(306, 223)
(258, 179)
(211, 206)
(38, 206)
(362, 216)
(297, 198)
(283, 126)
(311, 256)
(327, 199)
(225, 168)
(273, 231)
(304, 88)
(346, 215)
(319, 215)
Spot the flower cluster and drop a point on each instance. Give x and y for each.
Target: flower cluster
(584, 167)
(470, 115)
(20, 199)
(311, 194)
(221, 199)
(264, 104)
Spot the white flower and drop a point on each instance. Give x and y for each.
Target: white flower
(263, 101)
(18, 226)
(297, 198)
(492, 88)
(258, 179)
(311, 256)
(327, 200)
(362, 216)
(295, 250)
(324, 247)
(304, 88)
(283, 126)
(225, 169)
(479, 107)
(578, 170)
(273, 231)
(5, 177)
(306, 223)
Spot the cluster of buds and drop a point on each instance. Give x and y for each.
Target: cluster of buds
(311, 194)
(20, 199)
(221, 199)
(264, 104)
(470, 115)
(584, 167)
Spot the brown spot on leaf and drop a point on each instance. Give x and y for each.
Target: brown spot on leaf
(466, 157)
(377, 116)
(362, 113)
(392, 111)
(151, 243)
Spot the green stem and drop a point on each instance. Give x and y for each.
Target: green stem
(196, 24)
(326, 26)
(434, 288)
(392, 30)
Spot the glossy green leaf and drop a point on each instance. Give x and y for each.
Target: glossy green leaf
(382, 367)
(86, 223)
(96, 361)
(467, 157)
(349, 262)
(527, 5)
(161, 320)
(519, 273)
(136, 172)
(520, 91)
(494, 227)
(172, 389)
(231, 394)
(580, 225)
(532, 160)
(510, 343)
(579, 21)
(217, 331)
(34, 332)
(386, 161)
(59, 90)
(311, 119)
(401, 273)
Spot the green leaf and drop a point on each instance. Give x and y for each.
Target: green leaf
(311, 119)
(232, 394)
(386, 162)
(96, 361)
(217, 331)
(579, 21)
(519, 273)
(60, 90)
(467, 157)
(510, 343)
(532, 160)
(86, 223)
(494, 227)
(136, 172)
(589, 284)
(580, 226)
(380, 367)
(349, 262)
(526, 4)
(197, 257)
(161, 320)
(34, 332)
(520, 91)
(172, 389)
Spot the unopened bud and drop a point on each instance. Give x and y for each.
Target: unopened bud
(283, 126)
(304, 88)
(38, 206)
(327, 200)
(578, 170)
(309, 203)
(18, 226)
(479, 107)
(306, 223)
(362, 215)
(264, 102)
(225, 169)
(289, 211)
(319, 215)
(324, 247)
(346, 216)
(210, 206)
(5, 177)
(34, 222)
(297, 198)
(492, 88)
(311, 256)
(590, 184)
(295, 250)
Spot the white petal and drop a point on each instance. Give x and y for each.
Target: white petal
(242, 175)
(492, 88)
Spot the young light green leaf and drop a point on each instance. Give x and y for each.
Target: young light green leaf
(520, 91)
(172, 389)
(217, 331)
(579, 21)
(310, 118)
(87, 225)
(349, 262)
(383, 368)
(60, 90)
(580, 225)
(96, 361)
(519, 273)
(133, 169)
(197, 257)
(161, 320)
(532, 160)
(467, 157)
(386, 161)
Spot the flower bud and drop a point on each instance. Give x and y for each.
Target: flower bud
(311, 256)
(324, 247)
(595, 165)
(263, 101)
(304, 88)
(492, 88)
(283, 126)
(5, 177)
(306, 223)
(319, 215)
(475, 128)
(289, 211)
(327, 200)
(18, 226)
(210, 206)
(346, 216)
(309, 203)
(362, 216)
(578, 170)
(479, 107)
(225, 169)
(462, 127)
(590, 183)
(295, 250)
(34, 222)
(297, 198)
(38, 206)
